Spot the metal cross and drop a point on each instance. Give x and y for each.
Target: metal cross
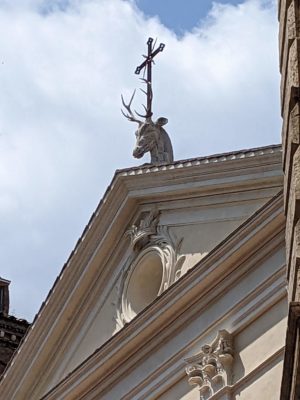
(148, 65)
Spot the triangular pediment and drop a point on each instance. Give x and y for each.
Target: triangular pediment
(155, 227)
(258, 241)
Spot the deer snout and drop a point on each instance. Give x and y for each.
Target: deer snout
(138, 152)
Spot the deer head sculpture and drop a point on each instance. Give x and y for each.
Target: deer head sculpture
(150, 136)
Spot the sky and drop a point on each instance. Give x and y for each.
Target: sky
(63, 67)
(180, 15)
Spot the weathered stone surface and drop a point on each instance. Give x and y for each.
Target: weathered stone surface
(293, 208)
(291, 141)
(290, 72)
(282, 11)
(288, 31)
(295, 181)
(290, 385)
(291, 136)
(297, 271)
(290, 225)
(292, 23)
(283, 6)
(284, 67)
(289, 46)
(294, 264)
(293, 65)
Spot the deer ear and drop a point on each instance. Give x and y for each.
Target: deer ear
(161, 121)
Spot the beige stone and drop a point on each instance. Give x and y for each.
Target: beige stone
(289, 87)
(293, 20)
(291, 140)
(294, 264)
(293, 208)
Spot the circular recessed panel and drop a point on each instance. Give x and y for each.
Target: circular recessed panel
(143, 284)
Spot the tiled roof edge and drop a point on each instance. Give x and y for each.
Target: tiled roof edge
(220, 157)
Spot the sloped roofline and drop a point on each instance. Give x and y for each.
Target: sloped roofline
(213, 158)
(148, 168)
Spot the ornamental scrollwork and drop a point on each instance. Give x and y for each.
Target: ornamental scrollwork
(148, 238)
(211, 368)
(140, 234)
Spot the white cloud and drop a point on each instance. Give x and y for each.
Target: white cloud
(62, 70)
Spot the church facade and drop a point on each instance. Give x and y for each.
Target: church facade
(177, 288)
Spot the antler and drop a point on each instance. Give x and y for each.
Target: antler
(149, 100)
(130, 116)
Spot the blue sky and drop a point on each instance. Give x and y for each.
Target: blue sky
(179, 15)
(62, 135)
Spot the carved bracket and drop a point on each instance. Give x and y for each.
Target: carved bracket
(211, 369)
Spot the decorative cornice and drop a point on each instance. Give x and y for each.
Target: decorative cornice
(193, 162)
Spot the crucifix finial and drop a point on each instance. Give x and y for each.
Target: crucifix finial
(150, 135)
(147, 64)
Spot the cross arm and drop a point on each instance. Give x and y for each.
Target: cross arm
(149, 58)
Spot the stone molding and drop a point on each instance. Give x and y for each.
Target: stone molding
(211, 368)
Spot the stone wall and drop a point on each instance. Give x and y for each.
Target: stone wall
(289, 45)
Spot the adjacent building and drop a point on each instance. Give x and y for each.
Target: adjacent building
(12, 329)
